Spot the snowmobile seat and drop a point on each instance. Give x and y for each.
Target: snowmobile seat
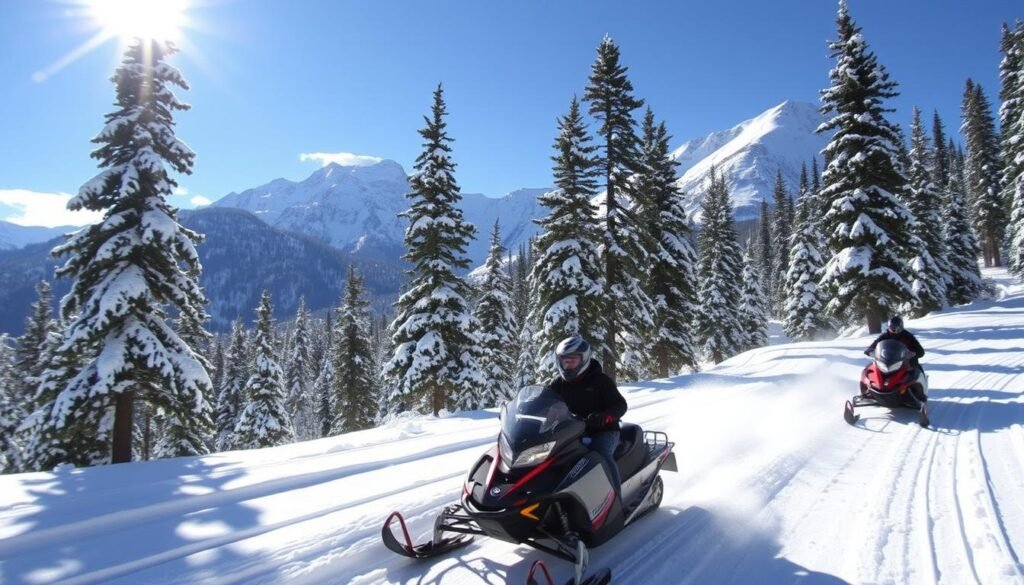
(631, 450)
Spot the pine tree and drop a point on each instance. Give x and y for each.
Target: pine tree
(983, 172)
(672, 284)
(298, 398)
(805, 317)
(230, 392)
(764, 253)
(930, 266)
(130, 267)
(11, 413)
(355, 371)
(962, 246)
(1011, 118)
(323, 388)
(34, 347)
(567, 279)
(940, 152)
(717, 322)
(816, 212)
(610, 95)
(436, 349)
(782, 229)
(498, 338)
(866, 222)
(753, 315)
(263, 421)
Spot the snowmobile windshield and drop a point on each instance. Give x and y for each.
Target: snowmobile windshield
(534, 416)
(890, 354)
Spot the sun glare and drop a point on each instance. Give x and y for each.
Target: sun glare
(147, 19)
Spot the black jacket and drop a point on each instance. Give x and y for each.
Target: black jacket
(906, 337)
(590, 393)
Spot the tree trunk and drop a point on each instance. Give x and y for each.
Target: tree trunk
(996, 260)
(122, 440)
(874, 319)
(437, 399)
(609, 354)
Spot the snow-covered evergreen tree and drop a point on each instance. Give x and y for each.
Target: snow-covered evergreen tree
(297, 373)
(355, 372)
(753, 306)
(498, 328)
(527, 371)
(567, 279)
(983, 172)
(805, 317)
(672, 284)
(128, 269)
(764, 254)
(34, 348)
(230, 393)
(611, 102)
(1011, 117)
(962, 246)
(930, 265)
(717, 325)
(436, 347)
(264, 420)
(782, 230)
(940, 152)
(323, 387)
(867, 225)
(11, 413)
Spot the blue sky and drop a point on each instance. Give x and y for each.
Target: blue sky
(272, 80)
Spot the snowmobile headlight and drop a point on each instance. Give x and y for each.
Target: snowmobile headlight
(534, 455)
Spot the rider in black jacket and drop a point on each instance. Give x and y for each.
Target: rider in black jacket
(591, 395)
(896, 331)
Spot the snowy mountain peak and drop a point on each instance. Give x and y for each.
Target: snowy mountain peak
(750, 153)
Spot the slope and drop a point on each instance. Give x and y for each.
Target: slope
(773, 486)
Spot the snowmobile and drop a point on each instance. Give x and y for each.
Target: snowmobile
(892, 381)
(540, 485)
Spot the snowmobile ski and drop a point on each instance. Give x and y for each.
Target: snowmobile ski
(437, 546)
(922, 416)
(848, 414)
(602, 577)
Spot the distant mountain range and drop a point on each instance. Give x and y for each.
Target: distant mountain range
(312, 229)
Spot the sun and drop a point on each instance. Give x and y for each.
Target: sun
(160, 20)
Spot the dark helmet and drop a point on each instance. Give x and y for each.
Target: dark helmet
(572, 346)
(896, 325)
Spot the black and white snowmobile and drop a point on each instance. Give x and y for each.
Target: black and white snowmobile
(541, 486)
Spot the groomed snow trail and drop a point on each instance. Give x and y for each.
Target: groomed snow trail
(773, 486)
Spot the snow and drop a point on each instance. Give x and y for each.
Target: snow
(773, 486)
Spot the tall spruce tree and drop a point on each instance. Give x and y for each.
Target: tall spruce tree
(940, 152)
(568, 278)
(866, 223)
(264, 420)
(323, 387)
(355, 371)
(436, 347)
(11, 413)
(297, 373)
(753, 314)
(1011, 117)
(230, 395)
(611, 102)
(34, 351)
(805, 317)
(930, 265)
(962, 245)
(718, 328)
(672, 284)
(498, 329)
(764, 253)
(983, 172)
(128, 269)
(782, 230)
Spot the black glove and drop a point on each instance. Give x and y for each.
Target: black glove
(867, 352)
(597, 421)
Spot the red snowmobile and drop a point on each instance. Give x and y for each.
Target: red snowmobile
(541, 486)
(893, 381)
